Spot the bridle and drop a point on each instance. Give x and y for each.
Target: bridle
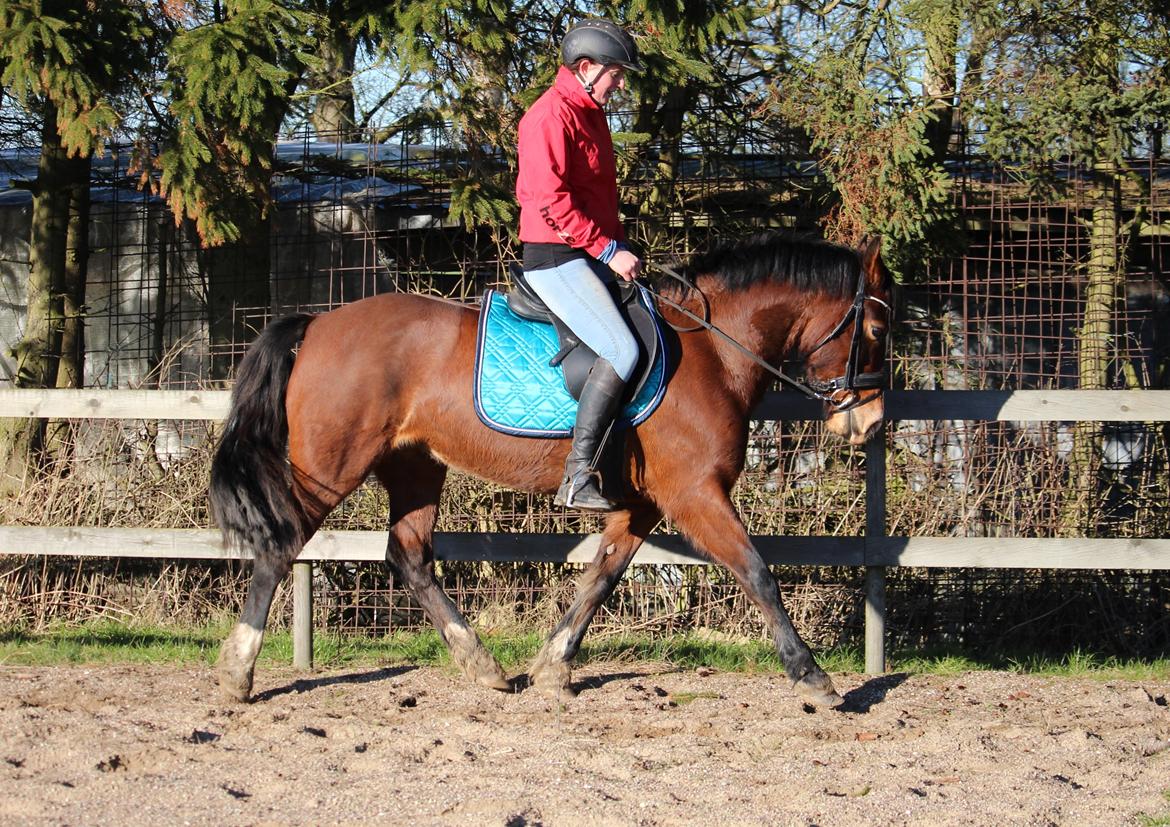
(828, 391)
(852, 380)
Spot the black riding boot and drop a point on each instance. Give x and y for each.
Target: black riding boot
(599, 402)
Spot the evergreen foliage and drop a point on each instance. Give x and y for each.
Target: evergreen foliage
(342, 29)
(77, 56)
(229, 83)
(1074, 81)
(852, 86)
(473, 59)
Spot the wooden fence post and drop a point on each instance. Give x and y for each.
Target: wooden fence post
(303, 615)
(875, 576)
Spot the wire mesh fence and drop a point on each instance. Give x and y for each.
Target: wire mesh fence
(997, 612)
(359, 219)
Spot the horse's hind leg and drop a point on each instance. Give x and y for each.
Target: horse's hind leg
(705, 514)
(414, 480)
(317, 487)
(624, 533)
(237, 655)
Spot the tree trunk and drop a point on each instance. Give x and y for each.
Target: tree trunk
(1103, 279)
(665, 122)
(1095, 337)
(1103, 273)
(334, 111)
(71, 369)
(37, 354)
(941, 36)
(71, 365)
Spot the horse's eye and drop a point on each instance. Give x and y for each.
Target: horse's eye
(877, 331)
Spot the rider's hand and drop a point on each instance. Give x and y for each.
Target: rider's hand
(627, 265)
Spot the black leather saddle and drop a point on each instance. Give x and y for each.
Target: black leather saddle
(575, 357)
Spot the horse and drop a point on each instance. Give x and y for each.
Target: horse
(383, 387)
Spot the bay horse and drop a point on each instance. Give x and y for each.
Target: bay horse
(383, 386)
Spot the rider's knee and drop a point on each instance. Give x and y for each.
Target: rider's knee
(625, 359)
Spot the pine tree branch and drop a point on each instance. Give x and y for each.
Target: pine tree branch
(866, 34)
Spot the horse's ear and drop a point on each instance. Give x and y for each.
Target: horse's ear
(871, 260)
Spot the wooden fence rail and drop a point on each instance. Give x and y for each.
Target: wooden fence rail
(875, 551)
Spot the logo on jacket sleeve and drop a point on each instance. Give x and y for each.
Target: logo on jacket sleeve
(552, 223)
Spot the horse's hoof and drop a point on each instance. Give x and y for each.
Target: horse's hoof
(495, 681)
(235, 687)
(817, 688)
(481, 667)
(553, 679)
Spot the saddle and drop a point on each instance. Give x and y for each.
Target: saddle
(575, 358)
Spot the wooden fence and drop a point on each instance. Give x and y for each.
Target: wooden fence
(875, 551)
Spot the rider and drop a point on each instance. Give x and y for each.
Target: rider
(574, 243)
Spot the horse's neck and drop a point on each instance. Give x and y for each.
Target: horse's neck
(767, 322)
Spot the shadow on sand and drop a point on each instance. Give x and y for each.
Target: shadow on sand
(872, 692)
(309, 684)
(523, 683)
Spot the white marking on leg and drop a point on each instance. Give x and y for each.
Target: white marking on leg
(558, 647)
(247, 642)
(460, 640)
(456, 632)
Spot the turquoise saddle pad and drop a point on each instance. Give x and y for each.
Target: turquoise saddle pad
(516, 391)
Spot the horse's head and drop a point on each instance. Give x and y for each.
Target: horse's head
(845, 352)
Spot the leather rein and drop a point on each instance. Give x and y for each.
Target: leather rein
(826, 391)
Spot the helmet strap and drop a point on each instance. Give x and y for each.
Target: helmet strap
(588, 84)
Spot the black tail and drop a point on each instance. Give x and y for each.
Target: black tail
(251, 494)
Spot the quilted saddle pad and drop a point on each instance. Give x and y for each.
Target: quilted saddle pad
(516, 392)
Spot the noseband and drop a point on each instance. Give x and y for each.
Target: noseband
(827, 391)
(851, 381)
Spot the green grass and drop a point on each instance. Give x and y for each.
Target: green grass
(684, 698)
(1156, 821)
(1074, 664)
(109, 643)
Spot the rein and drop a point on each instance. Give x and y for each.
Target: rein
(826, 391)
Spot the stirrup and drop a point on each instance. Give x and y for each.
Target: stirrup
(581, 490)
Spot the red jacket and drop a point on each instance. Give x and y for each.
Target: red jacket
(567, 184)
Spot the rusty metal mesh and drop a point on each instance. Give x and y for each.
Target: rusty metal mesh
(1004, 314)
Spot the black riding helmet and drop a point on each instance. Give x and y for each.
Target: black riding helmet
(602, 42)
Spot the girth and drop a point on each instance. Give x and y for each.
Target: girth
(576, 358)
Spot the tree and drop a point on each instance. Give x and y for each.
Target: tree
(232, 72)
(687, 49)
(230, 76)
(1083, 84)
(343, 29)
(874, 86)
(66, 61)
(474, 62)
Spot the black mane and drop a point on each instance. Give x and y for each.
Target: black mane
(806, 263)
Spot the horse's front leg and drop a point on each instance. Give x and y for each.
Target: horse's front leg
(414, 481)
(624, 533)
(707, 517)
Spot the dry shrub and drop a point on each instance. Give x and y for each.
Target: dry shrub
(120, 473)
(39, 592)
(797, 481)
